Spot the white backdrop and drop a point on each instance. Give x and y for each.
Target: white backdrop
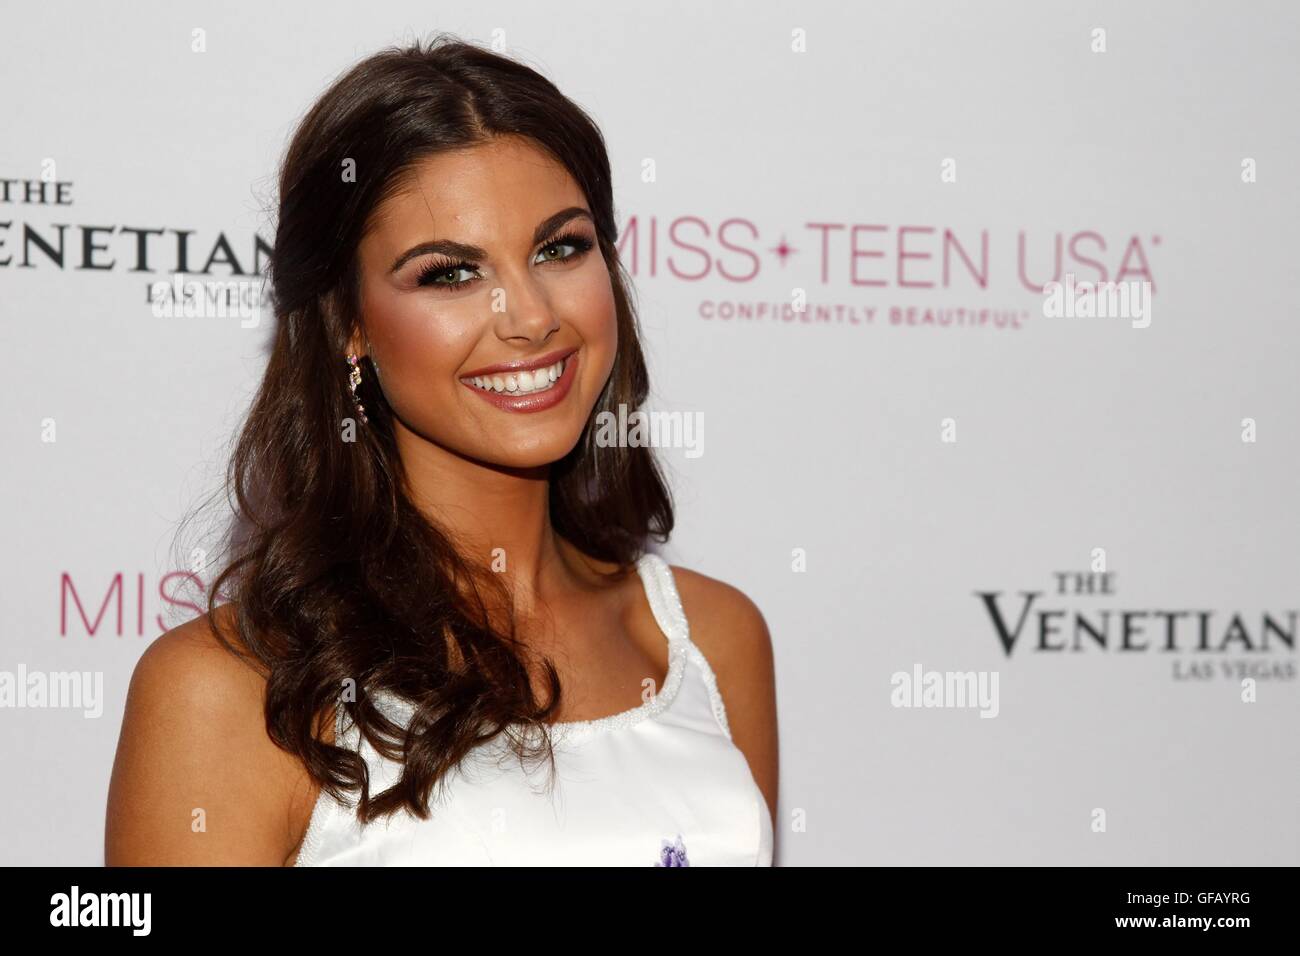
(905, 467)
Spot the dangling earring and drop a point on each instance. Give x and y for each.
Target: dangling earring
(354, 380)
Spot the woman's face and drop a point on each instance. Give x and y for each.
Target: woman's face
(534, 286)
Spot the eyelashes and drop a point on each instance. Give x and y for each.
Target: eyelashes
(440, 269)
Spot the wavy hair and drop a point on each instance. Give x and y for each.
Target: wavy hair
(334, 575)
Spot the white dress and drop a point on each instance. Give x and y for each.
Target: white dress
(662, 784)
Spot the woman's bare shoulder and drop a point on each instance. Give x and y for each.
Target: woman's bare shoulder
(726, 624)
(194, 647)
(732, 634)
(196, 779)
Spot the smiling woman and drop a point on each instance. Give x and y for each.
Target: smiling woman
(531, 282)
(435, 563)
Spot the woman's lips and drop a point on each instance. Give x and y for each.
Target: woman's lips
(513, 368)
(531, 401)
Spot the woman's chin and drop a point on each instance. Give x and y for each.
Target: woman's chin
(532, 452)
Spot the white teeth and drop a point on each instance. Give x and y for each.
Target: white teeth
(522, 383)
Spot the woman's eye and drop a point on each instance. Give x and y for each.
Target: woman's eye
(445, 276)
(556, 246)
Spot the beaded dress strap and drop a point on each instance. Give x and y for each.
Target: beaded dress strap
(666, 603)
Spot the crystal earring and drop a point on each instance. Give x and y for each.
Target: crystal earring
(354, 380)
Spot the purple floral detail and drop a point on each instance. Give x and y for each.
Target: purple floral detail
(673, 854)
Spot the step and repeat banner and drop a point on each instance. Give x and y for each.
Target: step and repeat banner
(983, 318)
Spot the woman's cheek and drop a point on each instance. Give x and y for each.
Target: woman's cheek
(598, 326)
(419, 347)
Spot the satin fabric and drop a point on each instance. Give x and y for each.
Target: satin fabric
(662, 784)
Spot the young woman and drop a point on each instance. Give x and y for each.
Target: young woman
(446, 642)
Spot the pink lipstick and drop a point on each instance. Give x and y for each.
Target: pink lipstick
(526, 386)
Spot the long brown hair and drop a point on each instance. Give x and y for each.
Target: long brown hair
(335, 575)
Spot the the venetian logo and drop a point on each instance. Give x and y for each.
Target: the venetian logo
(1078, 617)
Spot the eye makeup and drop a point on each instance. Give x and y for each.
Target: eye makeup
(438, 269)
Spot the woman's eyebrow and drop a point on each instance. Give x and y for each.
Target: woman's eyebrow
(461, 250)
